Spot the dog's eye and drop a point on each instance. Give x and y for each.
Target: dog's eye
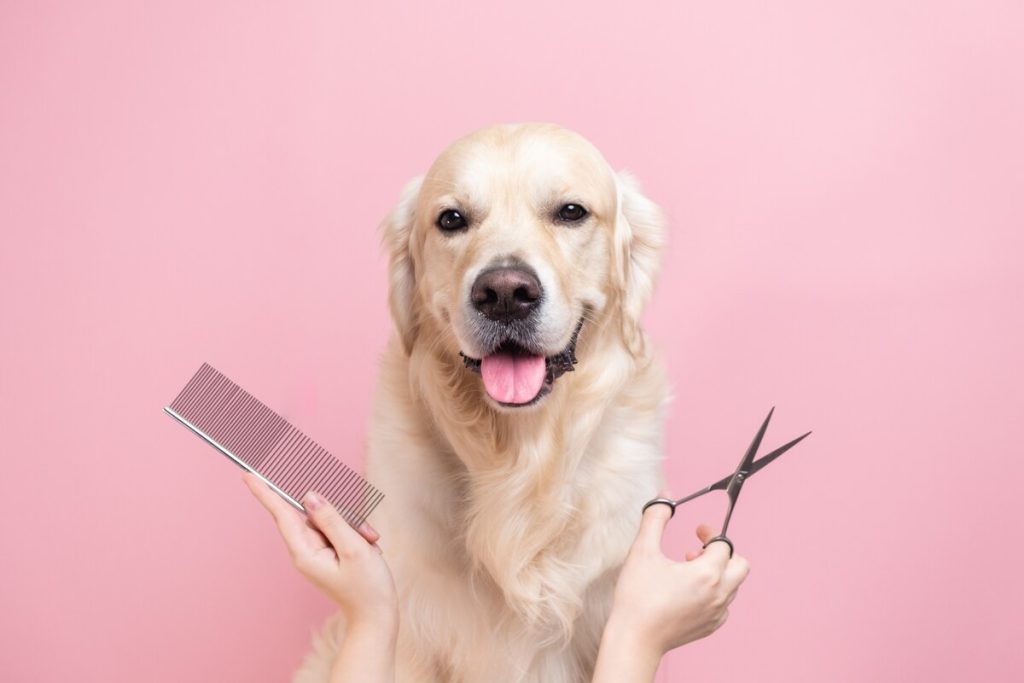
(572, 213)
(451, 220)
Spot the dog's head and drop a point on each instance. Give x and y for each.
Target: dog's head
(519, 239)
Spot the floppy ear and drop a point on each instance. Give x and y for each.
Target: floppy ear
(396, 229)
(639, 237)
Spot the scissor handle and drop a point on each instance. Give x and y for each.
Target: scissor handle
(724, 539)
(661, 501)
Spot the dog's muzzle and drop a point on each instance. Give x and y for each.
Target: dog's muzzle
(554, 366)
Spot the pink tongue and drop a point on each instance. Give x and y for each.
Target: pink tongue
(511, 378)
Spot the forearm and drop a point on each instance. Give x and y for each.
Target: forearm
(622, 659)
(367, 654)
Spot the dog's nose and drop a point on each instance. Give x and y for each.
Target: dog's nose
(505, 294)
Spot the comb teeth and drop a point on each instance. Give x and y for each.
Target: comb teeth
(261, 441)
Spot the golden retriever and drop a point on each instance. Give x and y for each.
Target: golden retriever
(517, 427)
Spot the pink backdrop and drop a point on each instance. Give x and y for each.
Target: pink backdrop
(190, 181)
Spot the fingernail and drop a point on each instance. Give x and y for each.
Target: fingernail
(312, 500)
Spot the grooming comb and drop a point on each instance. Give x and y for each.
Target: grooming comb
(262, 442)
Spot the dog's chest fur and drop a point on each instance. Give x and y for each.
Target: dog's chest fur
(504, 542)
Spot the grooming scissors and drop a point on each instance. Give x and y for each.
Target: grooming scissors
(733, 483)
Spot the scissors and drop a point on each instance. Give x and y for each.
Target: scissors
(732, 484)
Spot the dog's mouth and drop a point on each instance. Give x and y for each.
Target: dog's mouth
(515, 376)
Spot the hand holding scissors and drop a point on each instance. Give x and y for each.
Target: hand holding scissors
(733, 483)
(661, 604)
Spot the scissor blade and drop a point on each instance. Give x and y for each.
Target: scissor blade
(742, 470)
(761, 462)
(758, 465)
(748, 458)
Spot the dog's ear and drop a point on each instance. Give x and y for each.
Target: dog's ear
(396, 230)
(639, 237)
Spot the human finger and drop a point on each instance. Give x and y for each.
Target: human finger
(341, 535)
(706, 532)
(365, 530)
(321, 540)
(652, 526)
(717, 553)
(290, 523)
(735, 573)
(369, 533)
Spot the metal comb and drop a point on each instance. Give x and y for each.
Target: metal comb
(264, 443)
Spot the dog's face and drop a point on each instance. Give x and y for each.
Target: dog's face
(513, 241)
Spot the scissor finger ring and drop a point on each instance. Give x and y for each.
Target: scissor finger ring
(723, 539)
(661, 501)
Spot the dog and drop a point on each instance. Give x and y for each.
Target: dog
(518, 420)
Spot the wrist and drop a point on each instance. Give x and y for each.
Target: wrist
(367, 652)
(380, 624)
(626, 654)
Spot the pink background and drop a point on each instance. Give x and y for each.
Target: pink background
(190, 181)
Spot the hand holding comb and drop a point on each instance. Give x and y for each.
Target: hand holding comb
(262, 442)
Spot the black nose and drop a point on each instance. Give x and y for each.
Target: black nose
(505, 294)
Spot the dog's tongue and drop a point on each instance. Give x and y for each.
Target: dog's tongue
(510, 378)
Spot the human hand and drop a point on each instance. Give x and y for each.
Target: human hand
(344, 564)
(661, 604)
